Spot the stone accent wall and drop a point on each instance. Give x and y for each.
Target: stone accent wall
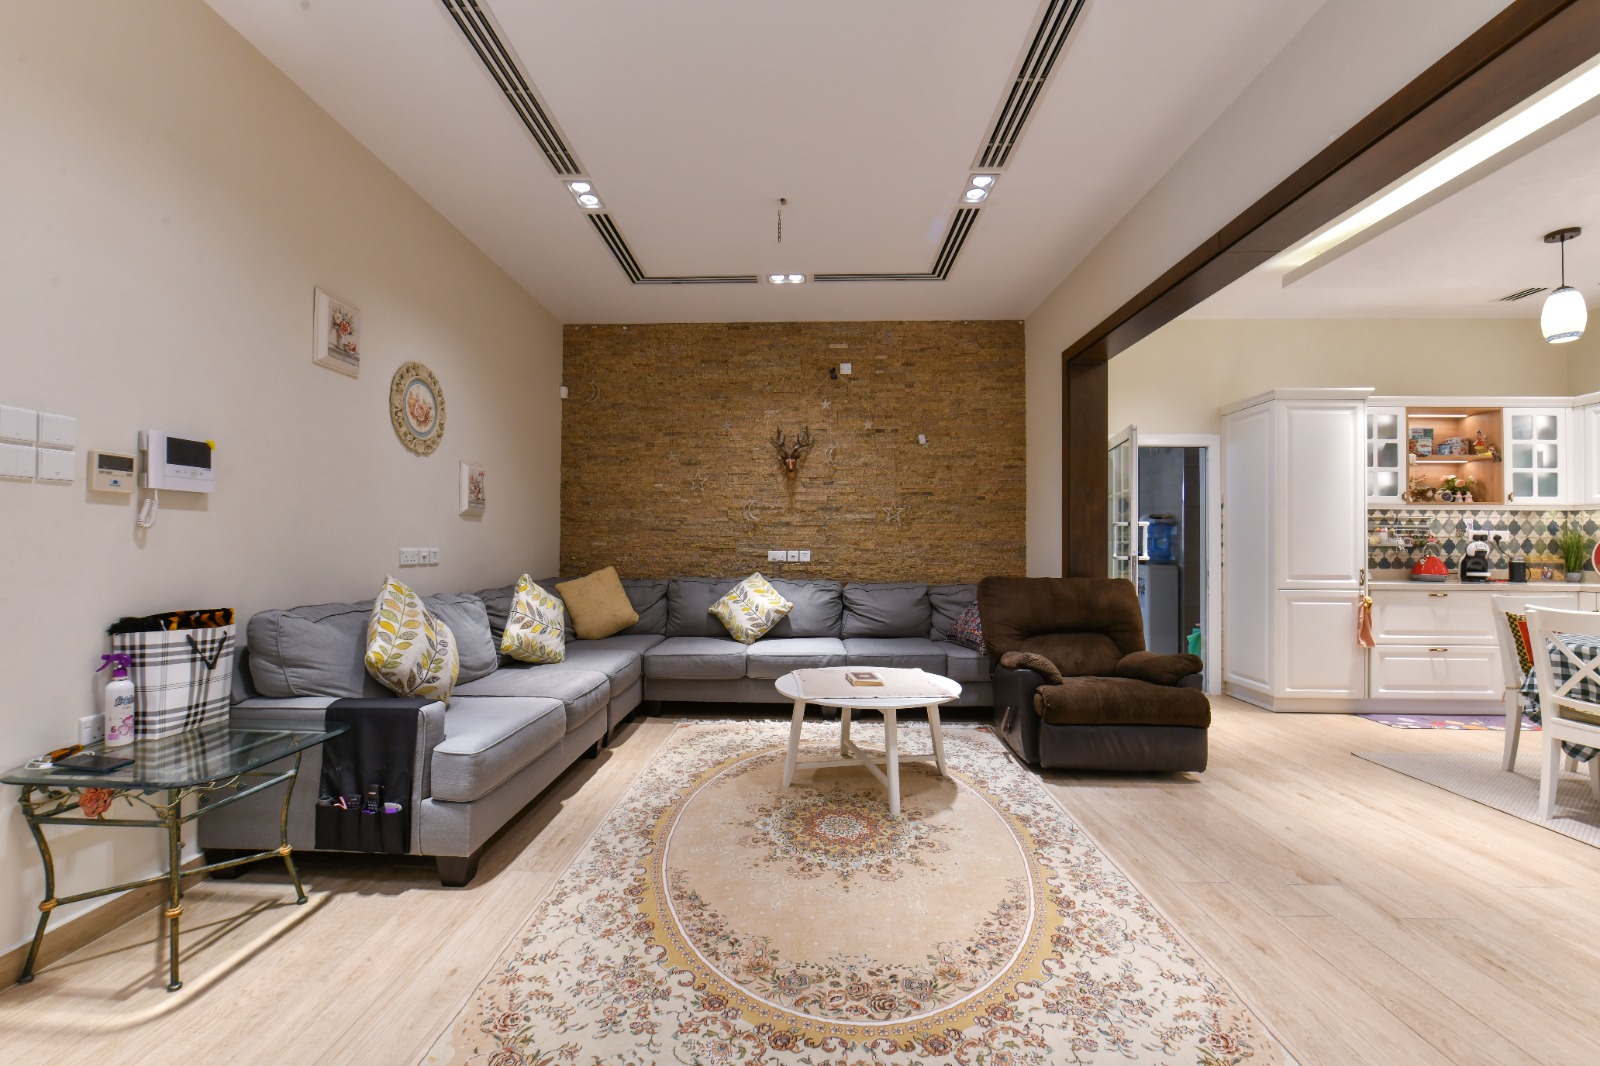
(667, 465)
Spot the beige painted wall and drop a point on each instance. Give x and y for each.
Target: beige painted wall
(1175, 380)
(169, 202)
(1308, 95)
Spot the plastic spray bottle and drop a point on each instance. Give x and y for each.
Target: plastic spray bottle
(118, 701)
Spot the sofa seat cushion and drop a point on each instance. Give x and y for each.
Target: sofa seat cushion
(963, 664)
(776, 656)
(1121, 701)
(583, 692)
(912, 653)
(486, 741)
(622, 665)
(696, 659)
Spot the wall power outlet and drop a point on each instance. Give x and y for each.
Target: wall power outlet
(91, 729)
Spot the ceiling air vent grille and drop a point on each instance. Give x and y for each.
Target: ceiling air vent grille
(475, 26)
(1029, 81)
(606, 227)
(1520, 294)
(954, 239)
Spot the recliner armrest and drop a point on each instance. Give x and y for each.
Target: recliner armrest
(1027, 660)
(1158, 669)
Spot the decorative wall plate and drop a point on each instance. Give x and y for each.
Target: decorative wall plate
(416, 407)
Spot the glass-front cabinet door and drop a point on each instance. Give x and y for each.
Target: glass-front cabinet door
(1535, 454)
(1386, 455)
(1123, 459)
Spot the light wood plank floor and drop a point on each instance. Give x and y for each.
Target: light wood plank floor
(1368, 918)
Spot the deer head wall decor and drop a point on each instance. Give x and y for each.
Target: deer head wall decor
(791, 452)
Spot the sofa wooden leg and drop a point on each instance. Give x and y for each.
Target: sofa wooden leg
(593, 750)
(457, 871)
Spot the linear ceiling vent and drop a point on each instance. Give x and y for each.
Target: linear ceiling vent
(1520, 294)
(955, 239)
(507, 73)
(606, 227)
(1029, 81)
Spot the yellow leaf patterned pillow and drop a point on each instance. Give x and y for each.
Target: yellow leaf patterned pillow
(751, 608)
(409, 651)
(536, 630)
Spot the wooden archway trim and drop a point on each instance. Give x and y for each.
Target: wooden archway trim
(1523, 49)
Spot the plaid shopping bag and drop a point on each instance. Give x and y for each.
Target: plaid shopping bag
(182, 678)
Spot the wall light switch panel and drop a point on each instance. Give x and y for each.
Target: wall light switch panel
(57, 464)
(805, 557)
(775, 556)
(58, 431)
(19, 423)
(794, 557)
(433, 556)
(844, 370)
(18, 461)
(409, 557)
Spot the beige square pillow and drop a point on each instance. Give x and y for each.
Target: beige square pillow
(598, 604)
(409, 650)
(535, 630)
(751, 608)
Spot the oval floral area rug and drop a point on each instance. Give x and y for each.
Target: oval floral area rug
(718, 917)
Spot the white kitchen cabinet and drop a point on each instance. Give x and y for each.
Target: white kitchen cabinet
(1318, 657)
(1536, 458)
(1585, 447)
(1431, 616)
(1386, 456)
(1462, 672)
(1319, 493)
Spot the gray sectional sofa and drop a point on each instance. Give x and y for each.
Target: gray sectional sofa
(512, 728)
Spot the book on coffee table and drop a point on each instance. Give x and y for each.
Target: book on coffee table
(864, 679)
(835, 683)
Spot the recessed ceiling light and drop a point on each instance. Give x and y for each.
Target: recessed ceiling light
(982, 181)
(975, 196)
(578, 187)
(589, 200)
(777, 279)
(795, 279)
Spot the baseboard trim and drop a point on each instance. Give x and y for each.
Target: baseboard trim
(63, 938)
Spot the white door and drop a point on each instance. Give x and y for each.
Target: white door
(1125, 539)
(1318, 656)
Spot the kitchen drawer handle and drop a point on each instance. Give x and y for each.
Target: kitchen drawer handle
(1438, 594)
(1438, 649)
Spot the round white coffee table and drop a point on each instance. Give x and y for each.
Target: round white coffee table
(888, 706)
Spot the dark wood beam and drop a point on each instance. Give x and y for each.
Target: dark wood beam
(1084, 476)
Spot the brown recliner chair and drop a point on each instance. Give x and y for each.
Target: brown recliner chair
(1074, 688)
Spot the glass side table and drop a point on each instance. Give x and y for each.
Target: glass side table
(163, 774)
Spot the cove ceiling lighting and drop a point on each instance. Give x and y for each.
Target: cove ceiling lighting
(1565, 314)
(1454, 163)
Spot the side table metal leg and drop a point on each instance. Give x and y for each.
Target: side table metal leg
(171, 816)
(48, 904)
(938, 737)
(794, 741)
(283, 832)
(891, 752)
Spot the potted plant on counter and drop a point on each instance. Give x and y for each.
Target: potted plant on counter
(1574, 548)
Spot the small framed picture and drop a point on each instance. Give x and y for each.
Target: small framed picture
(336, 335)
(473, 496)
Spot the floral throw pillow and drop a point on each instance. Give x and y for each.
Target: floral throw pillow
(409, 651)
(967, 630)
(751, 608)
(535, 630)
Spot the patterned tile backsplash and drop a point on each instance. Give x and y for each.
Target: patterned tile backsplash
(1531, 532)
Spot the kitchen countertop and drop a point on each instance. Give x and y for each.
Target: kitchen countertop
(1455, 584)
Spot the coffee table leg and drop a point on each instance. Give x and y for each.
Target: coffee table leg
(844, 732)
(891, 753)
(170, 814)
(938, 738)
(794, 741)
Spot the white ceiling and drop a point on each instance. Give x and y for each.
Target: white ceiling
(1456, 258)
(694, 117)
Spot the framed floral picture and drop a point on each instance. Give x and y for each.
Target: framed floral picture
(416, 407)
(472, 492)
(336, 335)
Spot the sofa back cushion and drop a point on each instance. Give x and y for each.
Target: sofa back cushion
(468, 620)
(1084, 625)
(497, 604)
(947, 603)
(891, 609)
(649, 599)
(689, 601)
(818, 608)
(312, 651)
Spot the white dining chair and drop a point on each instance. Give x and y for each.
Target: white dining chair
(1503, 607)
(1564, 713)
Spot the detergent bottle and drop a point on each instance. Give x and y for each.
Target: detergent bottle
(118, 701)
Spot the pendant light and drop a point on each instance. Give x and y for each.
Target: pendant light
(1565, 313)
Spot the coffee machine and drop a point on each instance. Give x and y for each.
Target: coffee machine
(1475, 563)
